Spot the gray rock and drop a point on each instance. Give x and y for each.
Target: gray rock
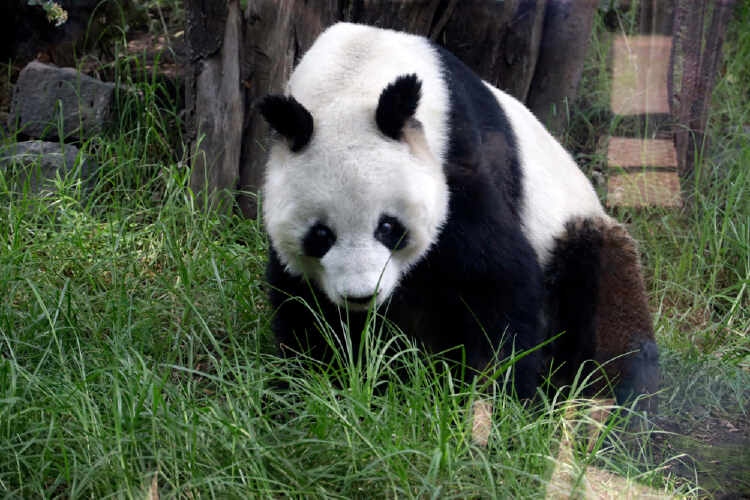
(35, 165)
(699, 412)
(44, 91)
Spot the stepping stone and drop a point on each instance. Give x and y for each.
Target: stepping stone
(598, 484)
(643, 172)
(639, 72)
(595, 483)
(644, 189)
(649, 153)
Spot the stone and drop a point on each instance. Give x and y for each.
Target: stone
(44, 91)
(699, 412)
(35, 165)
(639, 74)
(625, 152)
(644, 189)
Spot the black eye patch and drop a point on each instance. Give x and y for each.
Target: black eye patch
(391, 233)
(318, 240)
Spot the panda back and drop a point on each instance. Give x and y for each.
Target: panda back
(555, 189)
(496, 135)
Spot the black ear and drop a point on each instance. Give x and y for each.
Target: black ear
(289, 118)
(398, 102)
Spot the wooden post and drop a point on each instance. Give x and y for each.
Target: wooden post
(690, 93)
(565, 38)
(215, 109)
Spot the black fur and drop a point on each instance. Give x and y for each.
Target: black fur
(318, 240)
(572, 277)
(295, 327)
(391, 233)
(480, 286)
(643, 376)
(481, 136)
(397, 104)
(289, 118)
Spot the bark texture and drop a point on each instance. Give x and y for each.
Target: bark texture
(693, 66)
(500, 41)
(413, 16)
(565, 38)
(276, 34)
(215, 108)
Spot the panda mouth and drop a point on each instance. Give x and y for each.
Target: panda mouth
(366, 299)
(358, 302)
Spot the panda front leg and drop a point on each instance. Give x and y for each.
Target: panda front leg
(526, 378)
(304, 321)
(494, 331)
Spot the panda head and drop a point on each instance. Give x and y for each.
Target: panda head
(353, 196)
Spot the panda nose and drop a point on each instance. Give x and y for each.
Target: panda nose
(359, 299)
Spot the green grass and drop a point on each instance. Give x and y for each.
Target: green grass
(135, 348)
(134, 340)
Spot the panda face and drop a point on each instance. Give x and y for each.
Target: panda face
(353, 219)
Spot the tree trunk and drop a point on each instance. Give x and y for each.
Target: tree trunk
(214, 104)
(565, 38)
(498, 40)
(413, 16)
(698, 54)
(236, 60)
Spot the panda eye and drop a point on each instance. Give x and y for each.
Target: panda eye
(391, 233)
(318, 240)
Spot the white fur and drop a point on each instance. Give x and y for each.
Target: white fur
(554, 188)
(350, 174)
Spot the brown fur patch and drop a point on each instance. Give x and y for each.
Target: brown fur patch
(598, 299)
(623, 318)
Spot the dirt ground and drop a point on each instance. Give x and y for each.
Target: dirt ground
(712, 449)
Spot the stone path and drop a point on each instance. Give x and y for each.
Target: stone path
(639, 74)
(642, 171)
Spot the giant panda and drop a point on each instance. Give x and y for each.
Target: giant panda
(399, 181)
